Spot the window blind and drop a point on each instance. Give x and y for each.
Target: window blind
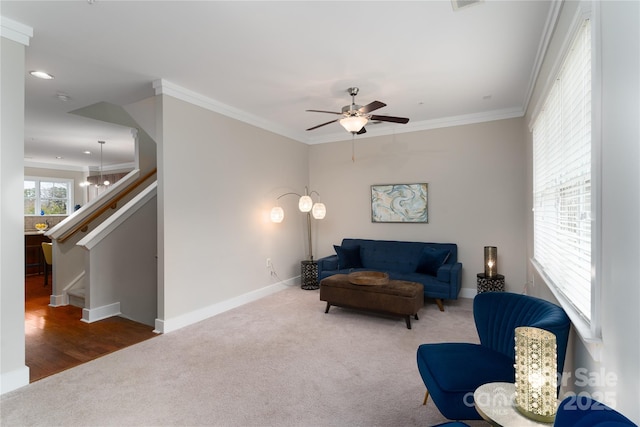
(562, 178)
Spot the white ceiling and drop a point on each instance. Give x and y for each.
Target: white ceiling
(271, 61)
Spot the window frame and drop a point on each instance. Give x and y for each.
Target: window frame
(588, 330)
(70, 183)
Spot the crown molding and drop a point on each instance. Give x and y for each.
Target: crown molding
(43, 165)
(76, 168)
(118, 167)
(543, 46)
(15, 31)
(164, 87)
(444, 122)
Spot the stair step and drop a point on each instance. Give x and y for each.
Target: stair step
(79, 292)
(76, 297)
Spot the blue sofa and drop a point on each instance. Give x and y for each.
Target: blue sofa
(435, 265)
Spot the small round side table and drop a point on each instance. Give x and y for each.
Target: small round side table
(495, 404)
(309, 275)
(490, 284)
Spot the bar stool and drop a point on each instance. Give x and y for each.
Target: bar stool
(47, 249)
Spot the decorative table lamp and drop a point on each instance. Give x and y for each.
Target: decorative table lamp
(536, 373)
(490, 261)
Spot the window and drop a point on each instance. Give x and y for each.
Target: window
(562, 181)
(48, 196)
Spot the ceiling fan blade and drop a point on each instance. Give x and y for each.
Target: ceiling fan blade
(361, 131)
(323, 111)
(323, 124)
(371, 107)
(390, 119)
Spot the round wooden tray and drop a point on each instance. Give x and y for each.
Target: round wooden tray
(369, 278)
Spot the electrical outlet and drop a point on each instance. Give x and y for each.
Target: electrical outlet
(269, 265)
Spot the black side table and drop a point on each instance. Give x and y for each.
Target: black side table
(309, 275)
(490, 284)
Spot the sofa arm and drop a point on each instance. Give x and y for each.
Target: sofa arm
(328, 263)
(444, 272)
(452, 274)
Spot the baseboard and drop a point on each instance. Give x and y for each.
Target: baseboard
(58, 300)
(468, 293)
(13, 380)
(90, 315)
(170, 325)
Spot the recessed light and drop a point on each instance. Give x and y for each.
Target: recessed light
(41, 75)
(59, 157)
(63, 97)
(86, 152)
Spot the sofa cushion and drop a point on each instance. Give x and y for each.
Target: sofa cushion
(348, 256)
(431, 259)
(401, 257)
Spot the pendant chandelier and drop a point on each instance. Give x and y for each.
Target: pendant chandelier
(106, 181)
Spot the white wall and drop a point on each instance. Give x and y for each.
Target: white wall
(218, 179)
(13, 372)
(144, 114)
(476, 176)
(123, 268)
(615, 378)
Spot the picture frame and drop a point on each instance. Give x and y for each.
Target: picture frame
(404, 203)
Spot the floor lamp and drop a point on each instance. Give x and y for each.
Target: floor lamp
(318, 210)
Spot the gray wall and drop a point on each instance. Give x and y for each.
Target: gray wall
(218, 179)
(476, 177)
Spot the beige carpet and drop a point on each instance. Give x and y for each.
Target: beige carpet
(279, 361)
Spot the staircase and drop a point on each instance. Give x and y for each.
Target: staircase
(76, 297)
(105, 252)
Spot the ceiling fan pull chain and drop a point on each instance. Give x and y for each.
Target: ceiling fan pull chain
(353, 148)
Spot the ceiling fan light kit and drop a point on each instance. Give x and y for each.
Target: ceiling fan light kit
(353, 124)
(355, 117)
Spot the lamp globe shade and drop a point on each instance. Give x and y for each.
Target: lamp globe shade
(353, 124)
(277, 214)
(319, 211)
(305, 204)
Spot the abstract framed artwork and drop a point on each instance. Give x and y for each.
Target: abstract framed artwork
(399, 203)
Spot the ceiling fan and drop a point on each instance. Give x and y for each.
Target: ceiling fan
(354, 117)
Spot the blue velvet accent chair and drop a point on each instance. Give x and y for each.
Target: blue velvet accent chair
(452, 371)
(582, 411)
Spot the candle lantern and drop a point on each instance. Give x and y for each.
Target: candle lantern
(490, 261)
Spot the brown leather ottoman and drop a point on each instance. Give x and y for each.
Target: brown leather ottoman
(397, 297)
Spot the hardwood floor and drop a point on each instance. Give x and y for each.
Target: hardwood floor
(56, 339)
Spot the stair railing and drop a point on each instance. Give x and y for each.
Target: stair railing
(105, 204)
